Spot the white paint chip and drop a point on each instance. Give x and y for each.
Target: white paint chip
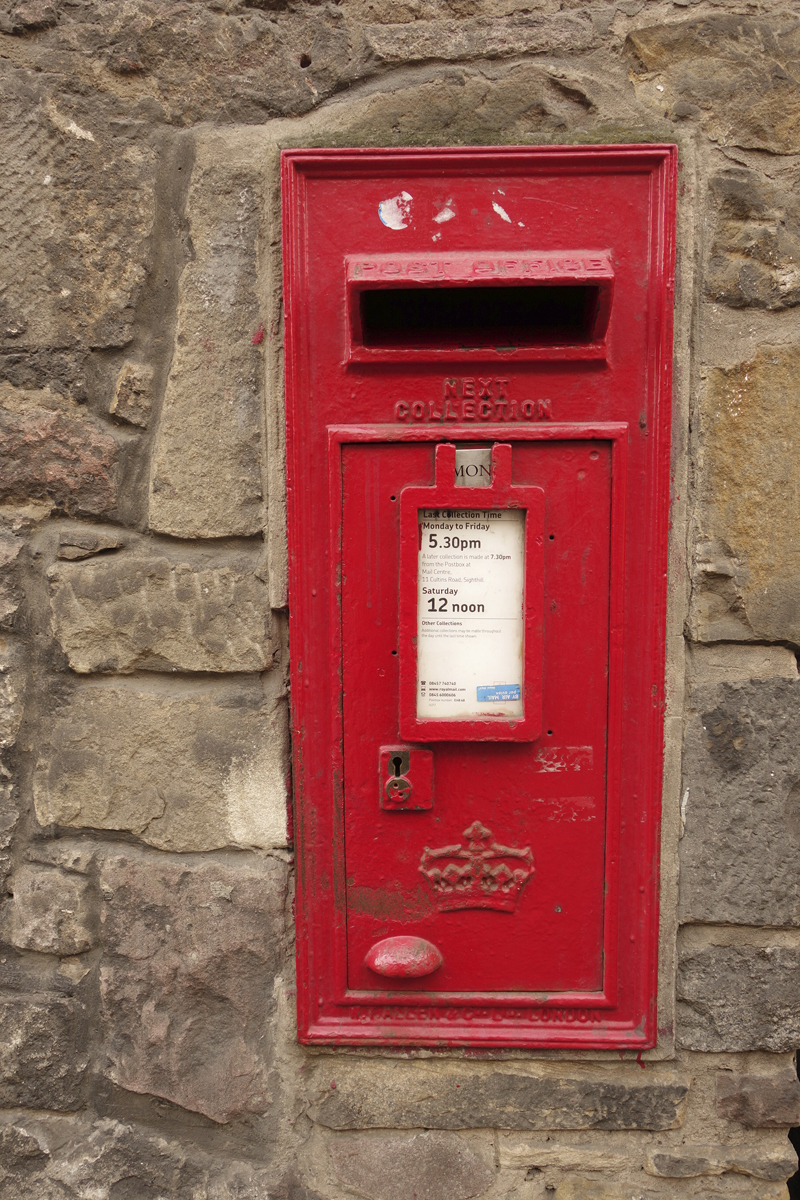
(501, 212)
(445, 214)
(396, 211)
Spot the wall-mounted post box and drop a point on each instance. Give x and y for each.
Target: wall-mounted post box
(478, 379)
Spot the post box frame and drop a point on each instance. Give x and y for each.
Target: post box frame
(623, 1013)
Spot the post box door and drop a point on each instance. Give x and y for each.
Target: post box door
(547, 796)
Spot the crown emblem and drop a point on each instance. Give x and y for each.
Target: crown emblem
(482, 874)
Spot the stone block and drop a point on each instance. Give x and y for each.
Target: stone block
(516, 1151)
(578, 1187)
(9, 816)
(435, 1096)
(32, 15)
(70, 854)
(736, 75)
(217, 62)
(52, 911)
(10, 586)
(206, 477)
(191, 950)
(12, 692)
(35, 369)
(72, 1158)
(480, 37)
(740, 856)
(151, 608)
(755, 253)
(759, 1101)
(17, 1147)
(50, 449)
(429, 1166)
(83, 543)
(746, 584)
(185, 766)
(133, 395)
(726, 662)
(13, 672)
(738, 998)
(78, 197)
(688, 1161)
(43, 1061)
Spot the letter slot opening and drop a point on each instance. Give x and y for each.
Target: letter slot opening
(480, 317)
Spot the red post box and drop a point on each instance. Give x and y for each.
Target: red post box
(478, 415)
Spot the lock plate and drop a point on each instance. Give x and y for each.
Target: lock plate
(405, 779)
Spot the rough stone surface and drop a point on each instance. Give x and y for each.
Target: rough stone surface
(191, 950)
(726, 662)
(13, 672)
(247, 60)
(739, 856)
(480, 37)
(50, 449)
(12, 693)
(17, 1147)
(688, 1161)
(70, 854)
(78, 1159)
(187, 767)
(759, 1101)
(186, 64)
(739, 998)
(430, 1166)
(10, 587)
(51, 912)
(755, 257)
(495, 101)
(537, 1151)
(9, 816)
(43, 1060)
(409, 1097)
(581, 1187)
(737, 76)
(83, 543)
(133, 395)
(206, 478)
(150, 608)
(747, 564)
(76, 263)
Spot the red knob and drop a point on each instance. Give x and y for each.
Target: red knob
(403, 957)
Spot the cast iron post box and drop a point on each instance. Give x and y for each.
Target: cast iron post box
(478, 353)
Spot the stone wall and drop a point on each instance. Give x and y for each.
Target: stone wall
(147, 1048)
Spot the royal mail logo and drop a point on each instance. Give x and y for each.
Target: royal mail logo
(482, 874)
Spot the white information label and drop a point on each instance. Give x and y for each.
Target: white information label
(470, 622)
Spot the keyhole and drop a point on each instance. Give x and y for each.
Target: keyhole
(398, 762)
